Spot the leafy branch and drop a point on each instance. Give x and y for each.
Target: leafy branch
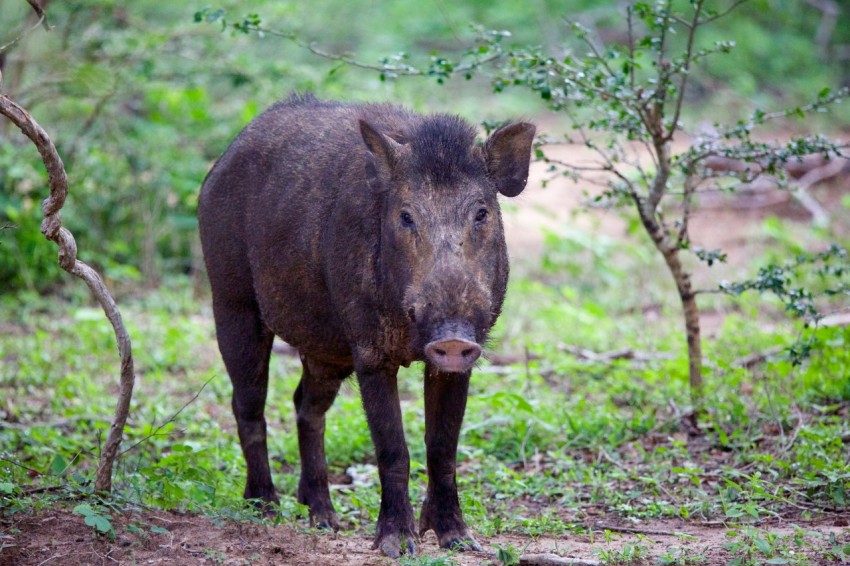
(489, 48)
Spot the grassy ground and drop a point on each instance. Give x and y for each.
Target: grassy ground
(562, 450)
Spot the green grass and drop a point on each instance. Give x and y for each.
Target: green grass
(551, 446)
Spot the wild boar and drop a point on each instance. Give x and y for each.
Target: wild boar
(367, 237)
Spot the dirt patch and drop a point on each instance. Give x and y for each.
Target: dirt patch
(60, 537)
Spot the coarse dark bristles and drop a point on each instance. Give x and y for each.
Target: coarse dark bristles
(441, 148)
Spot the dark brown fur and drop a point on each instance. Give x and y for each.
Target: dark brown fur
(367, 237)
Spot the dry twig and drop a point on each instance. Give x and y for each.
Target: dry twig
(608, 357)
(554, 560)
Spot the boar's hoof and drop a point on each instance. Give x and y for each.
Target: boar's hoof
(461, 542)
(455, 355)
(324, 521)
(448, 526)
(395, 544)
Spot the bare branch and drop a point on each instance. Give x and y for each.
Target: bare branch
(719, 15)
(573, 167)
(599, 57)
(407, 70)
(53, 230)
(691, 185)
(42, 18)
(39, 11)
(685, 69)
(662, 175)
(829, 15)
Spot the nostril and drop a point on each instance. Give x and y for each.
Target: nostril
(452, 354)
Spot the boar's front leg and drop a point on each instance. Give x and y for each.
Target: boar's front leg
(396, 532)
(445, 403)
(315, 395)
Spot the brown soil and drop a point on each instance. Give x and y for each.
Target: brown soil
(61, 538)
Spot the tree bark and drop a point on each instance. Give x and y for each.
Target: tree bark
(53, 230)
(690, 310)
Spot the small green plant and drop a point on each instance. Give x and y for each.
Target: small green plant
(425, 560)
(630, 553)
(677, 556)
(95, 517)
(750, 546)
(507, 555)
(837, 551)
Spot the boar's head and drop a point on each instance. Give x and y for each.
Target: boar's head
(443, 261)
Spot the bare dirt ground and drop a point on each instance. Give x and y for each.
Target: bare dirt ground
(59, 537)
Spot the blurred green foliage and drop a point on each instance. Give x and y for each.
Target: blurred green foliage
(140, 99)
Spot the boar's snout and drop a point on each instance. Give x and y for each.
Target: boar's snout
(453, 353)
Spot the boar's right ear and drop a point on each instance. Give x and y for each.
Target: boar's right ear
(508, 152)
(384, 153)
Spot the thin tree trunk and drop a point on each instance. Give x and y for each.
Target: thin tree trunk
(690, 310)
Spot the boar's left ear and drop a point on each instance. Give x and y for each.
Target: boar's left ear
(384, 155)
(508, 152)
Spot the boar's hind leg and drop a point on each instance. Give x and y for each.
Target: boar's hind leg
(445, 403)
(245, 345)
(396, 533)
(315, 395)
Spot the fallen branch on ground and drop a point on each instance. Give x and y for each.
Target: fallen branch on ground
(554, 560)
(509, 359)
(608, 357)
(635, 531)
(804, 174)
(752, 360)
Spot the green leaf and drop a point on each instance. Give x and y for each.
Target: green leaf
(83, 509)
(58, 465)
(734, 512)
(763, 546)
(7, 487)
(99, 522)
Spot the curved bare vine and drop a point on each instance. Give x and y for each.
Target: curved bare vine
(53, 230)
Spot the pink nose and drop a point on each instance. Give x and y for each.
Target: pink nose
(454, 355)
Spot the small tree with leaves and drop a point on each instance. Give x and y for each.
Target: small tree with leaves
(625, 103)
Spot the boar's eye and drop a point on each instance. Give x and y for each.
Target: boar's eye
(481, 215)
(406, 219)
